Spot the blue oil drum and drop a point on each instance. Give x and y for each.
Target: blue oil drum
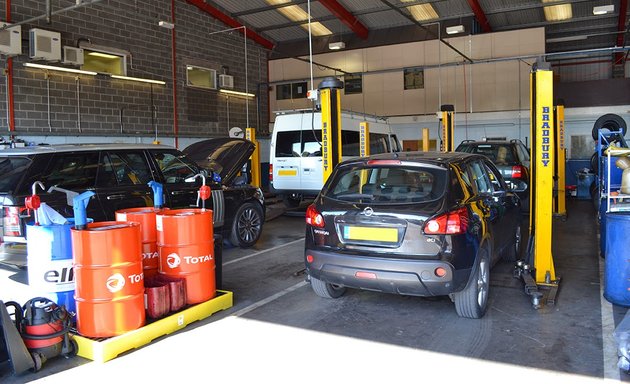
(49, 258)
(617, 270)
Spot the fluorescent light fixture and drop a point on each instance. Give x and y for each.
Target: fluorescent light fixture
(297, 14)
(557, 12)
(337, 45)
(103, 55)
(139, 79)
(603, 9)
(60, 69)
(455, 29)
(422, 12)
(236, 93)
(566, 38)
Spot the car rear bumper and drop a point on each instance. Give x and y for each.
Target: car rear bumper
(399, 276)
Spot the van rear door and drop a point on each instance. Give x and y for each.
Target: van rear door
(287, 153)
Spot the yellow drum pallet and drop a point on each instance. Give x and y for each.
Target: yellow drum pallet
(102, 350)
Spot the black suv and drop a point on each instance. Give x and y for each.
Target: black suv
(118, 174)
(412, 223)
(511, 158)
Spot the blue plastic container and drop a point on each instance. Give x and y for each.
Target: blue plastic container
(49, 258)
(617, 271)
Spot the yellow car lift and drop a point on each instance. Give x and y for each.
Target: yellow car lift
(250, 134)
(448, 128)
(331, 124)
(541, 282)
(559, 201)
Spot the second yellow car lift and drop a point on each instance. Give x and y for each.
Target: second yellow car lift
(541, 282)
(448, 128)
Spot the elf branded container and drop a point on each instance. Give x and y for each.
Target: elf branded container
(49, 258)
(109, 279)
(186, 248)
(146, 217)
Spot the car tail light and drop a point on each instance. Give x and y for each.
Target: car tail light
(517, 172)
(450, 223)
(313, 217)
(11, 221)
(271, 173)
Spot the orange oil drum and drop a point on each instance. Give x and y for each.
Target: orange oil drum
(109, 290)
(146, 217)
(186, 248)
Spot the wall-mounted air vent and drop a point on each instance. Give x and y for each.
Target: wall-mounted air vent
(44, 45)
(226, 81)
(10, 40)
(72, 55)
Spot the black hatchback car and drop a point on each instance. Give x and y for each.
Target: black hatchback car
(118, 174)
(511, 158)
(412, 223)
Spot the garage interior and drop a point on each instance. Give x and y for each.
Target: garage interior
(178, 72)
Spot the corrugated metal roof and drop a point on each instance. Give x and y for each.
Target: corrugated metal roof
(378, 17)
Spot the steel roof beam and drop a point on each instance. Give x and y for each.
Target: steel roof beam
(480, 15)
(222, 17)
(346, 17)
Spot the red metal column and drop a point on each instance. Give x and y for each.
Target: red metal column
(480, 15)
(11, 106)
(346, 17)
(214, 12)
(621, 28)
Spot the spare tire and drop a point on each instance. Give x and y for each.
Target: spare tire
(611, 122)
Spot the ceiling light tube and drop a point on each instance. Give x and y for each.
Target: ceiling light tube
(454, 29)
(603, 9)
(139, 79)
(236, 93)
(60, 69)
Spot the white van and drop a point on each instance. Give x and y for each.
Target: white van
(295, 163)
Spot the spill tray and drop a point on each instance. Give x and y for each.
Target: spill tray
(105, 349)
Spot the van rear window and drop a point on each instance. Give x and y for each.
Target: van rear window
(12, 168)
(308, 143)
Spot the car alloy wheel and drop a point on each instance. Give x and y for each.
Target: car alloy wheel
(247, 226)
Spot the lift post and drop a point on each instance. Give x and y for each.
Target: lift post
(364, 139)
(425, 139)
(559, 206)
(543, 285)
(329, 92)
(448, 128)
(250, 134)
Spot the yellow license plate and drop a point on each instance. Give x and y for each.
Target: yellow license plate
(389, 235)
(287, 172)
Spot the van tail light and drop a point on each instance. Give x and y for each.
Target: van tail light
(313, 217)
(271, 173)
(11, 221)
(517, 172)
(450, 223)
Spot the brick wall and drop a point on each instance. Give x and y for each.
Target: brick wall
(133, 26)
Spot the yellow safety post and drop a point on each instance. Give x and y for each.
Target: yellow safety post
(425, 139)
(331, 124)
(364, 139)
(560, 207)
(541, 190)
(448, 128)
(250, 134)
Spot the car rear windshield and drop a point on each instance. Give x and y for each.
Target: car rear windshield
(499, 154)
(387, 184)
(12, 168)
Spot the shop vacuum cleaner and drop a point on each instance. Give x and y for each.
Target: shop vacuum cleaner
(43, 328)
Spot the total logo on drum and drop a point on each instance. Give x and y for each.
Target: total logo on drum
(173, 260)
(117, 281)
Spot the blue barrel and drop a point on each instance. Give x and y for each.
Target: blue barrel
(49, 258)
(617, 271)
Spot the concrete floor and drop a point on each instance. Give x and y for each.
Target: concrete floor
(279, 331)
